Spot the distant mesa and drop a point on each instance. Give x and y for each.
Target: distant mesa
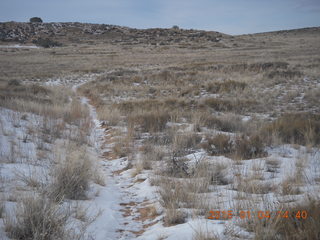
(35, 20)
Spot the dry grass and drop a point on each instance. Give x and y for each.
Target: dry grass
(174, 216)
(122, 148)
(289, 186)
(291, 227)
(37, 218)
(242, 147)
(299, 128)
(109, 114)
(72, 175)
(212, 173)
(184, 143)
(218, 145)
(229, 105)
(204, 234)
(173, 195)
(312, 96)
(154, 121)
(247, 147)
(228, 86)
(45, 101)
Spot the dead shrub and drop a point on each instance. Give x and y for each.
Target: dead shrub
(150, 121)
(253, 186)
(243, 147)
(149, 154)
(287, 74)
(227, 105)
(184, 143)
(37, 218)
(173, 217)
(299, 128)
(219, 104)
(214, 173)
(121, 148)
(219, 144)
(295, 226)
(153, 153)
(72, 175)
(173, 194)
(226, 86)
(247, 147)
(289, 186)
(176, 167)
(204, 234)
(78, 112)
(228, 122)
(312, 96)
(110, 114)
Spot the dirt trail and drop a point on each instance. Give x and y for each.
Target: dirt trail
(124, 213)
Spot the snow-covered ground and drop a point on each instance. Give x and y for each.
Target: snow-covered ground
(18, 46)
(128, 205)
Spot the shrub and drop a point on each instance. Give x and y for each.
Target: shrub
(226, 123)
(110, 114)
(288, 74)
(150, 121)
(219, 144)
(219, 104)
(292, 227)
(35, 20)
(46, 43)
(174, 216)
(37, 218)
(244, 147)
(72, 175)
(14, 82)
(227, 105)
(121, 148)
(183, 144)
(226, 86)
(249, 147)
(298, 128)
(176, 167)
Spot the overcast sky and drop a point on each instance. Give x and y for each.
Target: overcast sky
(228, 16)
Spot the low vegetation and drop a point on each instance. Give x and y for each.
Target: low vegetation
(72, 175)
(37, 218)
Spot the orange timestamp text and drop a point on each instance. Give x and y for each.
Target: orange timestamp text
(247, 214)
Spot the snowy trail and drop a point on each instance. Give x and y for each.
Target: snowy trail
(117, 202)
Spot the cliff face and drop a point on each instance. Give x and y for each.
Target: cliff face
(84, 32)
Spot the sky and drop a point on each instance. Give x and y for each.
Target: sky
(227, 16)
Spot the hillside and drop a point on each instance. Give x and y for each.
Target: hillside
(85, 33)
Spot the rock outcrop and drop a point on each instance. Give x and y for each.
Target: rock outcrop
(73, 32)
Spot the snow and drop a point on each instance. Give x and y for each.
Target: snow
(126, 191)
(18, 46)
(184, 231)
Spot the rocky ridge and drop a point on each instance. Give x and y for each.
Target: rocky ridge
(73, 32)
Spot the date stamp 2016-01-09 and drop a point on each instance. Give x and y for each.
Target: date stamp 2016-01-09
(247, 214)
